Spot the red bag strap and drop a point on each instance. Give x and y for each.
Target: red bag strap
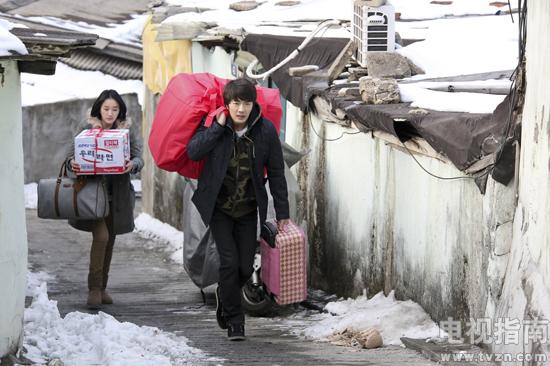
(211, 115)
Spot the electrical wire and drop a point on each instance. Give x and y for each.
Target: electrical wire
(440, 177)
(513, 96)
(513, 100)
(333, 139)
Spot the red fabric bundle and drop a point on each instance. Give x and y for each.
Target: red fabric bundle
(188, 98)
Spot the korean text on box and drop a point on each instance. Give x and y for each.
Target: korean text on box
(102, 151)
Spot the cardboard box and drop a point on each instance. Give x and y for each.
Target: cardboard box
(102, 151)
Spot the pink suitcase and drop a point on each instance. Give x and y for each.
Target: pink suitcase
(284, 266)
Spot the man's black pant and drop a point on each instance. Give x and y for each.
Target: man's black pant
(236, 243)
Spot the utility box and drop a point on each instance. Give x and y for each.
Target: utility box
(373, 29)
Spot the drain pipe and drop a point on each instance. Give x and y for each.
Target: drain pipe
(516, 170)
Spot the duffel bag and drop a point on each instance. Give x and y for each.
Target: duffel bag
(83, 197)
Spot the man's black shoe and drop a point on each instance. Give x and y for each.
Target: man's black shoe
(235, 332)
(219, 310)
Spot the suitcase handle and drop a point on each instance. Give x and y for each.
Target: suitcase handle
(269, 233)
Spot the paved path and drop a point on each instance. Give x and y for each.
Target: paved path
(150, 290)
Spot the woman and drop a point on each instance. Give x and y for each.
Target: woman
(109, 112)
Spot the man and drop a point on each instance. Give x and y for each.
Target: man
(231, 191)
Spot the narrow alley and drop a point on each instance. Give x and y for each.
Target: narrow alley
(150, 290)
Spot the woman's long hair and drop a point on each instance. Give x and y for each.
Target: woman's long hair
(109, 94)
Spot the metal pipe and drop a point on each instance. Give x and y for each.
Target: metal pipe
(320, 27)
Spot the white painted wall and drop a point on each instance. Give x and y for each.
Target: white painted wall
(526, 293)
(213, 60)
(377, 220)
(13, 232)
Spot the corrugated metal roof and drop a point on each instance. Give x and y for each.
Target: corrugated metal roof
(54, 37)
(119, 60)
(48, 45)
(84, 59)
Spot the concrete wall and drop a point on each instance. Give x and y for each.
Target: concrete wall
(13, 231)
(162, 192)
(377, 221)
(526, 293)
(48, 129)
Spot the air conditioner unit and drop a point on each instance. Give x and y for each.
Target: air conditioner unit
(373, 29)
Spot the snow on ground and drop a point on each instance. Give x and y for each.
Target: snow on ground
(10, 44)
(96, 339)
(163, 235)
(68, 83)
(35, 280)
(31, 195)
(137, 185)
(392, 318)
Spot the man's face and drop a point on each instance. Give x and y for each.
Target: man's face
(239, 110)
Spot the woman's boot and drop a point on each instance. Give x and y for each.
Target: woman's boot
(105, 297)
(97, 258)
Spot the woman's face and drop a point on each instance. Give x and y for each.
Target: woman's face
(109, 112)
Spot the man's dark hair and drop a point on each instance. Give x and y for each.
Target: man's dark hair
(239, 89)
(109, 94)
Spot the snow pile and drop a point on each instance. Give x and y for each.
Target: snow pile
(451, 46)
(10, 44)
(137, 185)
(392, 318)
(328, 9)
(68, 84)
(31, 195)
(35, 280)
(459, 47)
(426, 9)
(449, 102)
(164, 235)
(86, 339)
(268, 11)
(465, 46)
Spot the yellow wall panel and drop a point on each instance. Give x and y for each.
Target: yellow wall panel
(162, 60)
